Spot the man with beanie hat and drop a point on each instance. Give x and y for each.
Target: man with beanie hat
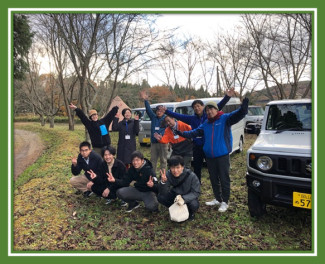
(217, 146)
(195, 121)
(97, 128)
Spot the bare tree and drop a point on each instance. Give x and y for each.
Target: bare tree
(282, 51)
(48, 35)
(188, 61)
(80, 33)
(127, 42)
(42, 90)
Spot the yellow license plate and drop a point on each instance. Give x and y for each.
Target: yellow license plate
(301, 200)
(146, 140)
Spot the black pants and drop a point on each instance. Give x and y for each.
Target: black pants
(219, 177)
(131, 195)
(198, 157)
(167, 199)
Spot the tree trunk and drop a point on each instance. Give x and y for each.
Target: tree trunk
(51, 119)
(42, 120)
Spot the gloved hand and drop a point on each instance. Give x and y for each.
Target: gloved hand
(179, 200)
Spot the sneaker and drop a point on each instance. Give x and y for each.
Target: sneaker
(223, 207)
(191, 217)
(109, 201)
(132, 206)
(87, 193)
(123, 204)
(213, 202)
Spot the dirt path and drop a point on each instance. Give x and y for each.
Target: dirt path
(28, 147)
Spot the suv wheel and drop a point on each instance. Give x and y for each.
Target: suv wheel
(255, 205)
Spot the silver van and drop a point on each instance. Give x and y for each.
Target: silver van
(237, 130)
(145, 123)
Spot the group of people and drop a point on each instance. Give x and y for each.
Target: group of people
(204, 135)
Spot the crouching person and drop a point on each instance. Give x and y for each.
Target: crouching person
(110, 169)
(89, 162)
(145, 186)
(179, 184)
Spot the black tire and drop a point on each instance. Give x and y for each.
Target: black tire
(256, 206)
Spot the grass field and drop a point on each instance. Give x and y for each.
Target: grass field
(49, 216)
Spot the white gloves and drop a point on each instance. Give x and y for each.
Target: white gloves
(179, 200)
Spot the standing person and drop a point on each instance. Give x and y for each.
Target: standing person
(157, 150)
(110, 167)
(128, 130)
(89, 162)
(180, 146)
(97, 128)
(195, 121)
(217, 146)
(179, 184)
(145, 186)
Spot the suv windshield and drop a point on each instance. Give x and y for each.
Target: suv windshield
(255, 111)
(289, 117)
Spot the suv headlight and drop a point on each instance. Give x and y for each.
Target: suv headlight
(264, 163)
(140, 127)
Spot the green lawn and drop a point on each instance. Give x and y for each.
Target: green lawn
(49, 216)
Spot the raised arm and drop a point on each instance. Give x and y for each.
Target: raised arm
(185, 118)
(236, 116)
(198, 132)
(84, 119)
(229, 93)
(110, 115)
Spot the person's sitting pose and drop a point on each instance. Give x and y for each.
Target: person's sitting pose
(110, 167)
(180, 184)
(145, 186)
(89, 162)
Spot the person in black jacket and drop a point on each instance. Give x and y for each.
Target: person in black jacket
(97, 128)
(128, 129)
(179, 185)
(89, 162)
(110, 167)
(145, 186)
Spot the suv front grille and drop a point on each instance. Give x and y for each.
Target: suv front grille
(284, 165)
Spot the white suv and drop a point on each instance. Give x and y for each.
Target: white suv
(279, 163)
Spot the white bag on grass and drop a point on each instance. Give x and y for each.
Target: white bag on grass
(178, 213)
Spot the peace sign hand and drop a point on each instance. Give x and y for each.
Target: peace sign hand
(150, 182)
(110, 177)
(92, 174)
(163, 175)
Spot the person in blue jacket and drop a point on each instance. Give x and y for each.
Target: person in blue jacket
(195, 121)
(157, 150)
(217, 146)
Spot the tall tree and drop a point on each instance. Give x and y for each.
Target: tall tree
(22, 41)
(282, 48)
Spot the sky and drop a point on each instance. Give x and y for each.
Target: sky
(202, 25)
(205, 26)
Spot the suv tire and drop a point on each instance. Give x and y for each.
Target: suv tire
(255, 205)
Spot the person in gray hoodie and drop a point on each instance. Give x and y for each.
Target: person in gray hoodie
(180, 184)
